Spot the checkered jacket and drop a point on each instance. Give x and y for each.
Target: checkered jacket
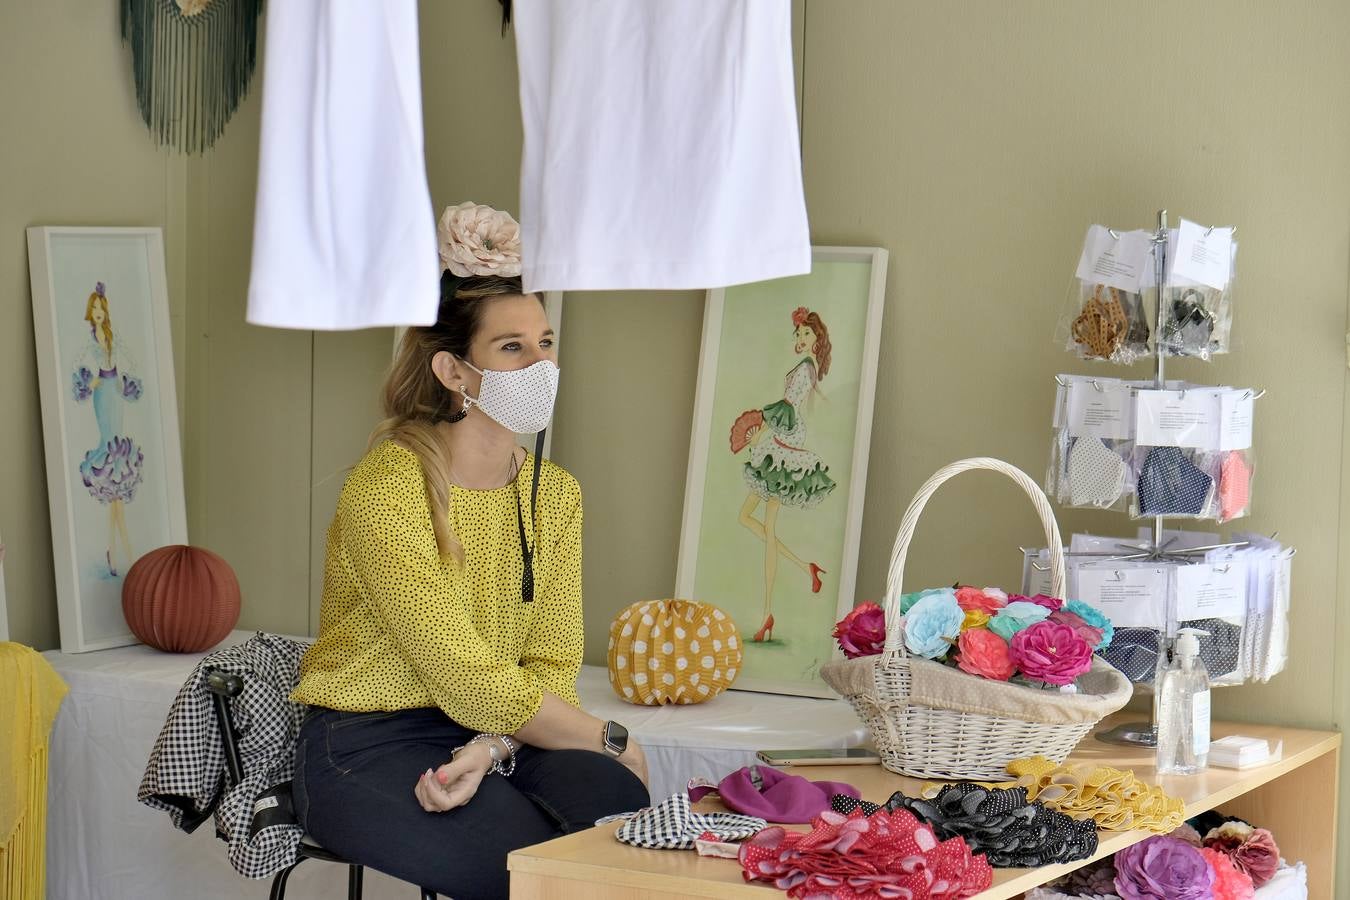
(186, 774)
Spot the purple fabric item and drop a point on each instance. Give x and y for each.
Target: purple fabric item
(775, 796)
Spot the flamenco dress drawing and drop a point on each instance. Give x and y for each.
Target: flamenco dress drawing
(111, 471)
(781, 470)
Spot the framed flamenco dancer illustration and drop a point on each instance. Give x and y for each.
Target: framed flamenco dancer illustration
(109, 417)
(778, 461)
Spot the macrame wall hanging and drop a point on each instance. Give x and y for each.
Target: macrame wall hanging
(192, 61)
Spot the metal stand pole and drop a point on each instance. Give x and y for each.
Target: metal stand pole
(1145, 734)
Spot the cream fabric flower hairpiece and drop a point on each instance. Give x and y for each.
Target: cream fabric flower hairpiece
(478, 240)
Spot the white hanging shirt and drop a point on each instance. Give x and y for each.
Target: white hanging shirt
(660, 144)
(343, 235)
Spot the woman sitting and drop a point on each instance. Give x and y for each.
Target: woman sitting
(446, 730)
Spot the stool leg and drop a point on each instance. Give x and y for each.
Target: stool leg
(354, 873)
(428, 894)
(279, 882)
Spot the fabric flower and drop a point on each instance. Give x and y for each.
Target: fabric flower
(972, 599)
(985, 654)
(1093, 636)
(975, 618)
(1018, 614)
(886, 855)
(863, 631)
(1001, 823)
(1050, 603)
(1051, 652)
(1252, 850)
(907, 601)
(1163, 868)
(478, 240)
(1184, 832)
(189, 9)
(1094, 617)
(932, 624)
(1230, 882)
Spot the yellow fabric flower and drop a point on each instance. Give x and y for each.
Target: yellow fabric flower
(975, 618)
(1113, 798)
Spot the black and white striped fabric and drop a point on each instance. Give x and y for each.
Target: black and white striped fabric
(185, 775)
(674, 826)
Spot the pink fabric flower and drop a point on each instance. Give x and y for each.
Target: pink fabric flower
(885, 855)
(478, 240)
(863, 631)
(1230, 882)
(985, 654)
(1087, 632)
(1051, 652)
(1252, 850)
(969, 598)
(1050, 603)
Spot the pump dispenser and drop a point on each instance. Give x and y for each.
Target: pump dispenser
(1183, 708)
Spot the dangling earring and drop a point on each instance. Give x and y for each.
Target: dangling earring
(463, 410)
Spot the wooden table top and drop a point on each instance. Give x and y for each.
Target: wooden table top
(595, 856)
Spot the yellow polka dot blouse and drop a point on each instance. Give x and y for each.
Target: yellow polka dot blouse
(401, 628)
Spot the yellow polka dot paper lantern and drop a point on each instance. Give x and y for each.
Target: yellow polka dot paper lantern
(672, 651)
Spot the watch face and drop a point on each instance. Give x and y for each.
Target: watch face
(616, 738)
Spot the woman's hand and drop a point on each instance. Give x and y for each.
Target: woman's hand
(454, 783)
(636, 761)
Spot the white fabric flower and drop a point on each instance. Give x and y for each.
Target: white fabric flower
(478, 240)
(192, 7)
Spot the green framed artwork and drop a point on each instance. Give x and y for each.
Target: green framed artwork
(778, 461)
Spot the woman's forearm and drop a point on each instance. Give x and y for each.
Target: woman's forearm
(558, 725)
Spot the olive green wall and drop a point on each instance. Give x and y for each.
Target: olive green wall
(973, 140)
(73, 152)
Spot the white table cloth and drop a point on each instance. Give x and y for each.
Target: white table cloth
(103, 845)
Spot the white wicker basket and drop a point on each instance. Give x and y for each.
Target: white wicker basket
(996, 722)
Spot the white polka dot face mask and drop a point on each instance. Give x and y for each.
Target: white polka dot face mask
(520, 400)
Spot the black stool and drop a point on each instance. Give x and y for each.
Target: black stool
(224, 686)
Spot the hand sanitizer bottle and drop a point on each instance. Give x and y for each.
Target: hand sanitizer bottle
(1183, 709)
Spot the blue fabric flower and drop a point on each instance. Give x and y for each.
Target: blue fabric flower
(907, 601)
(1094, 617)
(1015, 616)
(933, 623)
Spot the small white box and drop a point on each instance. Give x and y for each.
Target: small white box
(1239, 752)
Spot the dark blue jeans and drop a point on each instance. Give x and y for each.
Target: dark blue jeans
(353, 788)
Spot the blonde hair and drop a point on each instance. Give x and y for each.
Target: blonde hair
(102, 300)
(415, 400)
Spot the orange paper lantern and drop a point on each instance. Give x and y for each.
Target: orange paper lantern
(672, 651)
(180, 599)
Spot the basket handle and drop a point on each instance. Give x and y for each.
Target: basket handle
(895, 575)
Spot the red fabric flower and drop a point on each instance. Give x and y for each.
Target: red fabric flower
(985, 654)
(862, 632)
(1051, 652)
(886, 855)
(1230, 882)
(1089, 633)
(1050, 603)
(969, 598)
(1252, 850)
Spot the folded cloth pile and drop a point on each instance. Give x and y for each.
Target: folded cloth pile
(674, 826)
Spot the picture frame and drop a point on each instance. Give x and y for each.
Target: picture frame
(783, 455)
(109, 417)
(4, 608)
(553, 310)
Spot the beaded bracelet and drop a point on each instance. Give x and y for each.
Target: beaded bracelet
(502, 769)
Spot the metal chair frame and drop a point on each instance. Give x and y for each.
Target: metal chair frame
(224, 686)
